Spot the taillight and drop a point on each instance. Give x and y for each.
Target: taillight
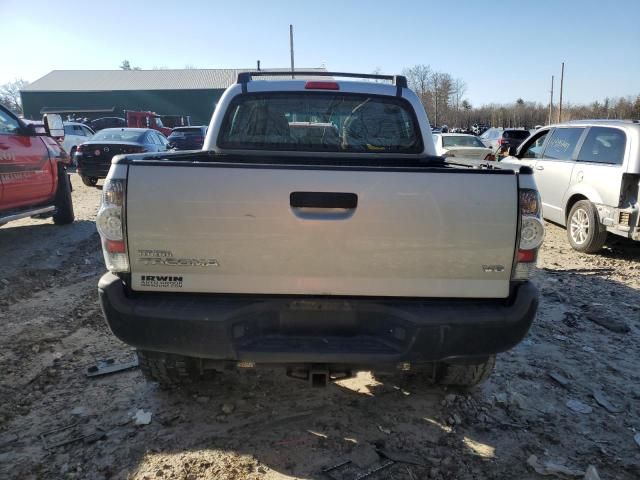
(139, 149)
(531, 234)
(502, 141)
(322, 86)
(109, 222)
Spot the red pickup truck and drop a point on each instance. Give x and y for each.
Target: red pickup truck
(33, 179)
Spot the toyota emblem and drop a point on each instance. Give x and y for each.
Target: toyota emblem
(105, 149)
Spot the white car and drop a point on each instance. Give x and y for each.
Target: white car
(74, 135)
(461, 145)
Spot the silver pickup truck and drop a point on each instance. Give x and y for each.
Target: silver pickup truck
(318, 231)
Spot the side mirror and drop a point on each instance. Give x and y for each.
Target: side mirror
(513, 151)
(53, 125)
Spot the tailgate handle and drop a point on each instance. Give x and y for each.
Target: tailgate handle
(348, 201)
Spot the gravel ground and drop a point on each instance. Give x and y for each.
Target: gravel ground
(565, 399)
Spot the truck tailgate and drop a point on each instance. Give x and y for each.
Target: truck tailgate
(221, 228)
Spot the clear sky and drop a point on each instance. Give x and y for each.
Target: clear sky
(502, 49)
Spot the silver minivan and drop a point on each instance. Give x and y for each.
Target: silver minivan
(588, 175)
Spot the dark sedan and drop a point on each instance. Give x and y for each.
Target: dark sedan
(94, 157)
(187, 138)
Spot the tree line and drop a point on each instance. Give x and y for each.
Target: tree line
(443, 97)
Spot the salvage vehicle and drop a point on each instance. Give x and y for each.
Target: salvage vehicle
(146, 120)
(74, 134)
(461, 145)
(33, 178)
(588, 174)
(187, 138)
(357, 251)
(93, 158)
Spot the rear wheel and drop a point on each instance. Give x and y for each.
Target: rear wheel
(89, 181)
(465, 375)
(63, 202)
(171, 370)
(584, 231)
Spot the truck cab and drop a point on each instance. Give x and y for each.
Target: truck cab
(147, 120)
(33, 180)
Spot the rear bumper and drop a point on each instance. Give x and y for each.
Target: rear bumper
(96, 169)
(297, 330)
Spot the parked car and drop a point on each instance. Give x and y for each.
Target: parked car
(352, 252)
(33, 179)
(187, 138)
(107, 122)
(500, 137)
(93, 158)
(74, 135)
(588, 174)
(461, 145)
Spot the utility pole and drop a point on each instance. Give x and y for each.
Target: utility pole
(551, 102)
(291, 48)
(561, 85)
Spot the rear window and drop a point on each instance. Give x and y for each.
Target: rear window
(518, 134)
(187, 131)
(320, 122)
(118, 135)
(603, 145)
(461, 141)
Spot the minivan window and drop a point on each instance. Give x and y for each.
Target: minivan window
(563, 143)
(320, 122)
(534, 150)
(517, 134)
(603, 145)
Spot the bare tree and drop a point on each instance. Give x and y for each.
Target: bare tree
(10, 95)
(418, 78)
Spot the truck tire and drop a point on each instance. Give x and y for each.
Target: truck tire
(170, 370)
(584, 232)
(63, 202)
(465, 375)
(89, 181)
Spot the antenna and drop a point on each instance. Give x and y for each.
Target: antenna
(291, 48)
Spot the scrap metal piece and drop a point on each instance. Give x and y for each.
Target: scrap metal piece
(376, 469)
(97, 434)
(106, 367)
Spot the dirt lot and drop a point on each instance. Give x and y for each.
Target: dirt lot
(265, 426)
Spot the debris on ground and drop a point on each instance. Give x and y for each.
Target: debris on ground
(604, 319)
(108, 366)
(364, 455)
(602, 400)
(142, 418)
(560, 379)
(591, 473)
(579, 407)
(228, 408)
(551, 468)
